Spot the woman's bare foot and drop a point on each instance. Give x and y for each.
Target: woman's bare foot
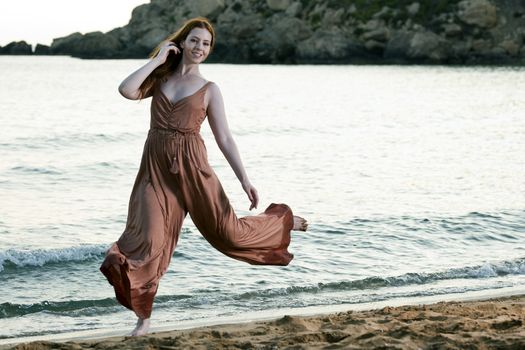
(142, 327)
(299, 224)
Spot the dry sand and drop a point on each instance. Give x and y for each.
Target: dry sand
(492, 324)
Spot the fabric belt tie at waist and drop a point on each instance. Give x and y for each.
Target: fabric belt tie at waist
(175, 165)
(172, 131)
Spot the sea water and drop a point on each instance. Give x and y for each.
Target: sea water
(412, 179)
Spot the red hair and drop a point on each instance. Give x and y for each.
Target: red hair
(172, 61)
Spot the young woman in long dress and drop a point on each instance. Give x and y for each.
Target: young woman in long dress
(175, 179)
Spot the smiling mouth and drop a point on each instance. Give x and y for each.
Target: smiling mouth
(197, 54)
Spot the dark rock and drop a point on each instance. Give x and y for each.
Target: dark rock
(379, 34)
(481, 13)
(278, 5)
(419, 46)
(522, 52)
(413, 8)
(481, 46)
(130, 49)
(17, 48)
(42, 49)
(373, 24)
(247, 26)
(375, 46)
(276, 41)
(511, 47)
(149, 25)
(429, 46)
(497, 52)
(294, 9)
(332, 17)
(452, 29)
(385, 12)
(61, 46)
(324, 46)
(207, 8)
(90, 45)
(398, 45)
(459, 50)
(315, 31)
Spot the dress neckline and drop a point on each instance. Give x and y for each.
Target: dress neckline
(183, 98)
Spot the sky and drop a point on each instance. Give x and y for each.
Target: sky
(39, 21)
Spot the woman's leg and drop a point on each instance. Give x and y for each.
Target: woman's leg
(259, 239)
(136, 262)
(299, 224)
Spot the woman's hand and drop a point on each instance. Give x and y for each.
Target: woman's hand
(252, 194)
(165, 49)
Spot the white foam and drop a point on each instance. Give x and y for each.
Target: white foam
(486, 270)
(39, 257)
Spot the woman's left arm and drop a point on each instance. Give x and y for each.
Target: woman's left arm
(224, 139)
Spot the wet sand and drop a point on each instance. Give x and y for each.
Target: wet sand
(490, 324)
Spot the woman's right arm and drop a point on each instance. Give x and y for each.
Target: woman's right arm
(129, 88)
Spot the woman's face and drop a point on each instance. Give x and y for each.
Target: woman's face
(196, 47)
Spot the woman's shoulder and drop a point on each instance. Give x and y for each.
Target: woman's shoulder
(212, 86)
(213, 93)
(211, 83)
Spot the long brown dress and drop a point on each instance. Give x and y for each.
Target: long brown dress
(174, 179)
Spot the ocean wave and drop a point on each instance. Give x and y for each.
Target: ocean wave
(68, 140)
(82, 308)
(13, 259)
(486, 270)
(36, 170)
(471, 229)
(8, 310)
(77, 308)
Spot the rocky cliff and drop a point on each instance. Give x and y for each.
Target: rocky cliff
(314, 31)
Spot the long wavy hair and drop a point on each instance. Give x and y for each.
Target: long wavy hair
(172, 61)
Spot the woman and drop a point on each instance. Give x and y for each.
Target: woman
(175, 178)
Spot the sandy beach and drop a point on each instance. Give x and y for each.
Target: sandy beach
(490, 324)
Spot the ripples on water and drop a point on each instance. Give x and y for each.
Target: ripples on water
(411, 177)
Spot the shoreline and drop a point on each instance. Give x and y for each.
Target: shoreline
(364, 63)
(468, 319)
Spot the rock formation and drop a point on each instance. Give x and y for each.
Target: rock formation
(16, 48)
(316, 31)
(42, 50)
